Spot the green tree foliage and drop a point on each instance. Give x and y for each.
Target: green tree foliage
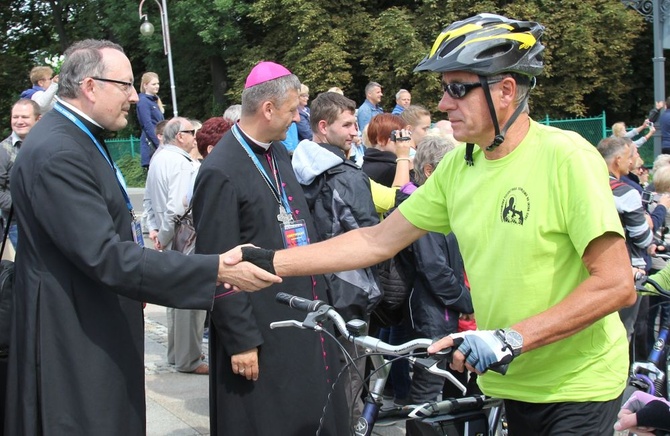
(598, 54)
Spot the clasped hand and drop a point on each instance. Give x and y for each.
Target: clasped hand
(242, 276)
(477, 351)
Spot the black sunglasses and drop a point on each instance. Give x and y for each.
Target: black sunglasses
(457, 90)
(192, 132)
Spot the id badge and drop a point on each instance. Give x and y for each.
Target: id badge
(295, 234)
(136, 228)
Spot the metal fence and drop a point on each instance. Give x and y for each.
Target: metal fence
(593, 129)
(121, 147)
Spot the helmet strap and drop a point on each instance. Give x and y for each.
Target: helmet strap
(500, 134)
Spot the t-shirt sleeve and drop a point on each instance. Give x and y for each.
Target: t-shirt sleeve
(427, 208)
(382, 196)
(588, 201)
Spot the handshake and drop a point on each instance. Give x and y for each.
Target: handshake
(246, 268)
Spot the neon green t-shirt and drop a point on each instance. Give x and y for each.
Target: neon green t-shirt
(523, 223)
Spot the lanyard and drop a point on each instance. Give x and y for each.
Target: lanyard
(119, 177)
(277, 188)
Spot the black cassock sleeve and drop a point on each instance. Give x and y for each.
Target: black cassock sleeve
(82, 210)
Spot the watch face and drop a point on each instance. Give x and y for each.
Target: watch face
(514, 338)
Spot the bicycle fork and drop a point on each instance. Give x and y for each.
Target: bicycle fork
(373, 402)
(649, 371)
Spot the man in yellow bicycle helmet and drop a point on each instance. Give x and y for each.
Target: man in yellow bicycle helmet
(540, 237)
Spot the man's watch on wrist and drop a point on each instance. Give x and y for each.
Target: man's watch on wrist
(512, 339)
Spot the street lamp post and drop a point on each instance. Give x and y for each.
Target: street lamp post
(655, 11)
(147, 29)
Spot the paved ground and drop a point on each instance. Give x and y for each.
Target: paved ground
(178, 404)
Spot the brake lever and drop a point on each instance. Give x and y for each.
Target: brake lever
(431, 364)
(312, 321)
(287, 323)
(421, 411)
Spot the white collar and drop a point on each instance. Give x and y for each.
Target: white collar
(77, 111)
(264, 145)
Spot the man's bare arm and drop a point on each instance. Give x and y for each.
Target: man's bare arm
(355, 249)
(609, 288)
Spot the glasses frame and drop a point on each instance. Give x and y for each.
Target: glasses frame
(126, 88)
(463, 89)
(192, 132)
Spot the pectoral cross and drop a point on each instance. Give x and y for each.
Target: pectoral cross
(283, 216)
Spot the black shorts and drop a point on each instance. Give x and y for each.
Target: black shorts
(589, 418)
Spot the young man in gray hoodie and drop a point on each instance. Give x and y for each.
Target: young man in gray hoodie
(339, 198)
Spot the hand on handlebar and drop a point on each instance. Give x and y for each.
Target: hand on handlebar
(478, 351)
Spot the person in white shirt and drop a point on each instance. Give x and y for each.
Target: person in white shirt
(169, 188)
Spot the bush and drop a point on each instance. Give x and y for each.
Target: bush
(132, 171)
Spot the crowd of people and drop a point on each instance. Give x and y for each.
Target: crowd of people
(327, 192)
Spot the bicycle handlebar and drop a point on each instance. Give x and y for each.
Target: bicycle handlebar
(298, 303)
(475, 402)
(642, 280)
(319, 311)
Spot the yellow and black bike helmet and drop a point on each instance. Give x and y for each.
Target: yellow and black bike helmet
(487, 44)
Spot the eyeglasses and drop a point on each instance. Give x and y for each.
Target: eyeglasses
(126, 87)
(457, 90)
(192, 132)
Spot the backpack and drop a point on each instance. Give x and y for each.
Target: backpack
(6, 294)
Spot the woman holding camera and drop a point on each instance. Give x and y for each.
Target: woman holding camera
(379, 162)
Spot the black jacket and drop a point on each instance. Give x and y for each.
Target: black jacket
(339, 199)
(379, 165)
(434, 266)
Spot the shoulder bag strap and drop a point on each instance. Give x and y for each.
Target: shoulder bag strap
(9, 222)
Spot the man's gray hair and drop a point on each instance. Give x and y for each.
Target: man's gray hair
(399, 93)
(233, 113)
(275, 90)
(370, 86)
(172, 128)
(82, 59)
(611, 147)
(430, 151)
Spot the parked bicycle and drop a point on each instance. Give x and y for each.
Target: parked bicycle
(467, 416)
(651, 375)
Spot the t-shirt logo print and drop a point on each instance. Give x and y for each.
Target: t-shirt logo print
(515, 206)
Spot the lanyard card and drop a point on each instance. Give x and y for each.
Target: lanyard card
(295, 234)
(136, 228)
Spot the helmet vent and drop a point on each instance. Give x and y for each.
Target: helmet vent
(450, 46)
(496, 51)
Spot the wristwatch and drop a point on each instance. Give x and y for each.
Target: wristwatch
(512, 339)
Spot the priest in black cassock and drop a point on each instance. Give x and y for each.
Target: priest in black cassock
(76, 357)
(264, 382)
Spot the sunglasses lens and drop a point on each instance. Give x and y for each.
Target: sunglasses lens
(456, 90)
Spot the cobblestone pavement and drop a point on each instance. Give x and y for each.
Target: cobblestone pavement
(157, 332)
